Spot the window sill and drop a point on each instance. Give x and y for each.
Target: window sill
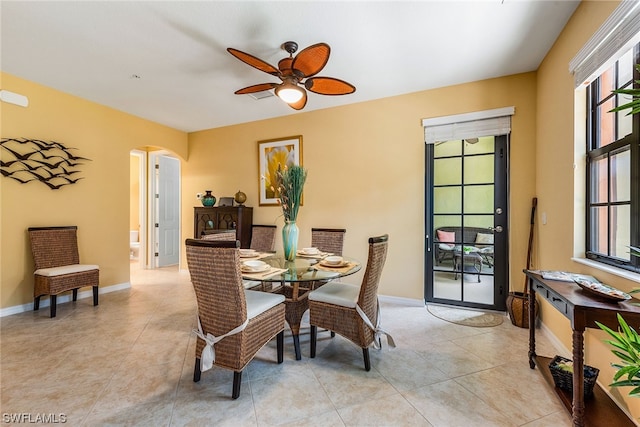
(625, 274)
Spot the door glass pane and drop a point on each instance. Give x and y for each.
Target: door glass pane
(448, 148)
(599, 180)
(446, 221)
(484, 145)
(625, 68)
(478, 199)
(447, 171)
(620, 231)
(599, 222)
(480, 221)
(447, 200)
(478, 169)
(621, 176)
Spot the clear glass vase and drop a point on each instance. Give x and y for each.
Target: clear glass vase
(290, 240)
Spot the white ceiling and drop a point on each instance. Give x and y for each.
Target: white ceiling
(187, 78)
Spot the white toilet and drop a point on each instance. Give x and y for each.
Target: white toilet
(134, 244)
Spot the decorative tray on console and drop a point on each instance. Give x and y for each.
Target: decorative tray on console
(601, 290)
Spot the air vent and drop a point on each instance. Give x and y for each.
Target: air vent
(261, 95)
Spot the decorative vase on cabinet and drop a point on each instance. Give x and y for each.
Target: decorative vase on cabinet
(208, 199)
(290, 240)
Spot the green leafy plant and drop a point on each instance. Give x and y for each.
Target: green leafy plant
(626, 343)
(634, 105)
(290, 181)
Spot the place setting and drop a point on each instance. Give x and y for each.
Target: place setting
(252, 254)
(334, 263)
(312, 252)
(256, 269)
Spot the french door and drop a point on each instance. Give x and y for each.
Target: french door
(466, 222)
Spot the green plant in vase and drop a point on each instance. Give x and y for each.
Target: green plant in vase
(626, 343)
(290, 182)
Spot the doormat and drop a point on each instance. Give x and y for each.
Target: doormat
(475, 318)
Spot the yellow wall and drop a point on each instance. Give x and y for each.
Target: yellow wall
(556, 179)
(366, 170)
(97, 204)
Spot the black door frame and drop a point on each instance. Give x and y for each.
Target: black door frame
(501, 239)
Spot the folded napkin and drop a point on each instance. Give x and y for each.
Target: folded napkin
(263, 274)
(342, 269)
(319, 255)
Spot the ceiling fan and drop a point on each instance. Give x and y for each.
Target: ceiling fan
(296, 72)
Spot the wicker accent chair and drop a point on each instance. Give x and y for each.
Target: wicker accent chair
(338, 306)
(57, 263)
(220, 235)
(263, 238)
(328, 239)
(233, 324)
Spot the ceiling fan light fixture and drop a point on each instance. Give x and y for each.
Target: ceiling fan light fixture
(289, 93)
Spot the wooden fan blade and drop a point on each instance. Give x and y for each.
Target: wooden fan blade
(254, 62)
(256, 88)
(311, 60)
(329, 86)
(300, 104)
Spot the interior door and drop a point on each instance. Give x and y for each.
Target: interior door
(168, 211)
(466, 223)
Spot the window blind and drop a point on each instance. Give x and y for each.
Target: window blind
(620, 31)
(468, 125)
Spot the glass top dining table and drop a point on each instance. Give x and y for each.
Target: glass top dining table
(295, 280)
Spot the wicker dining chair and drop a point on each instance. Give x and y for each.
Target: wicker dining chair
(57, 263)
(328, 239)
(233, 324)
(263, 238)
(349, 310)
(219, 235)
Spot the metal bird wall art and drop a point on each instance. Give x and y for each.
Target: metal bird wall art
(50, 163)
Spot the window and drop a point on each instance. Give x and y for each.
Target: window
(613, 167)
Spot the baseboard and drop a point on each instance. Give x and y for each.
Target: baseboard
(409, 302)
(46, 302)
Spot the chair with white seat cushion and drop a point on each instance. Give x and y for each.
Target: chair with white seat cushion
(57, 263)
(349, 310)
(233, 324)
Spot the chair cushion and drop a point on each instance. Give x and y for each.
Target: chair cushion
(248, 284)
(65, 269)
(337, 293)
(258, 302)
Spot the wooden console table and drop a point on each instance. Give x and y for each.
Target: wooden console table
(583, 310)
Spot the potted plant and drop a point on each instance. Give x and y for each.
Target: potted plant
(634, 105)
(290, 182)
(626, 343)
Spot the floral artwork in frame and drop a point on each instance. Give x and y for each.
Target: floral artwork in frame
(283, 152)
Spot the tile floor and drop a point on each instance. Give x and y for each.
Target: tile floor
(129, 361)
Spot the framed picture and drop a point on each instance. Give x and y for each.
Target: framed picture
(271, 153)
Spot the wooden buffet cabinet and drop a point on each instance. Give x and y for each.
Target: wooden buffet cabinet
(583, 310)
(239, 218)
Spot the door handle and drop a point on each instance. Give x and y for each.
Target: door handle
(497, 229)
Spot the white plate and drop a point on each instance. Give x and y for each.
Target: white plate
(248, 254)
(326, 264)
(261, 269)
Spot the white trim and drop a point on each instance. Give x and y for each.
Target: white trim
(8, 311)
(620, 272)
(616, 34)
(468, 117)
